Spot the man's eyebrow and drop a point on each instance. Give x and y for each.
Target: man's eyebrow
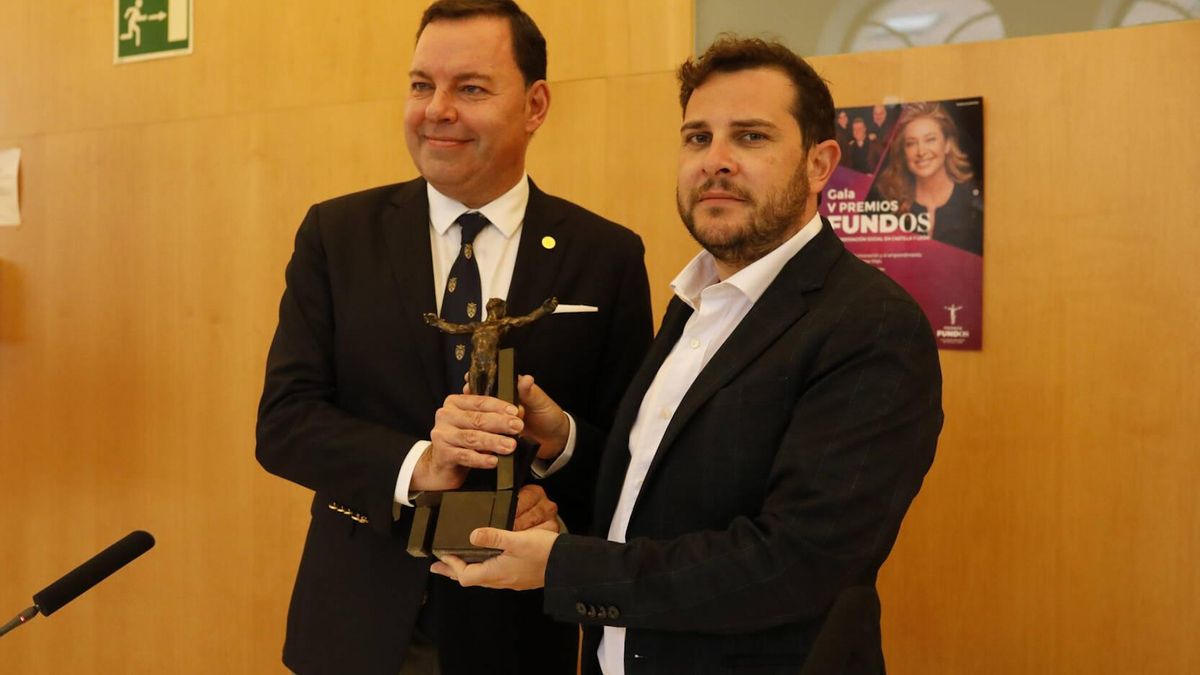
(753, 122)
(461, 77)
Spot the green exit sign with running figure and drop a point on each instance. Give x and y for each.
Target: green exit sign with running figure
(150, 29)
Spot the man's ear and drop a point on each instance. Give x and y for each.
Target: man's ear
(537, 105)
(823, 158)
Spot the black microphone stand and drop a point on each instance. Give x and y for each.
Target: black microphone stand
(19, 620)
(81, 579)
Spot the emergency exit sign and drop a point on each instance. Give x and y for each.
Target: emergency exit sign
(151, 29)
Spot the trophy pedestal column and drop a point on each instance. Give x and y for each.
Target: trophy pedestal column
(443, 521)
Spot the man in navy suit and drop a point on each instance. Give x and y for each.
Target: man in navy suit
(353, 406)
(768, 448)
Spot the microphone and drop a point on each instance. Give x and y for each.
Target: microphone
(79, 580)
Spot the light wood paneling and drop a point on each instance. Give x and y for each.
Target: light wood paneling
(59, 74)
(1058, 531)
(613, 39)
(251, 57)
(611, 144)
(150, 283)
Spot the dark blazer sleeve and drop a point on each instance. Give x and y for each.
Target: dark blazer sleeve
(855, 446)
(302, 434)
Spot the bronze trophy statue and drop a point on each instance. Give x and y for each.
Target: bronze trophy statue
(443, 521)
(485, 339)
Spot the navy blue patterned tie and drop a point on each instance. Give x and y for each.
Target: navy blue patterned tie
(462, 301)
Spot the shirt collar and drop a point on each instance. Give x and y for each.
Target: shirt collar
(506, 212)
(752, 280)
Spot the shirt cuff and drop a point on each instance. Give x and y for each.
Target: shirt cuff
(404, 480)
(543, 468)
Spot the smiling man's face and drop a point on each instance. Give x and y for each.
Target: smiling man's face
(470, 115)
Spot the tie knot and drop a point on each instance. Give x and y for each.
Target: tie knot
(471, 223)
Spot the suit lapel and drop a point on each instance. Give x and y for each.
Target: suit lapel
(780, 307)
(537, 266)
(615, 460)
(405, 223)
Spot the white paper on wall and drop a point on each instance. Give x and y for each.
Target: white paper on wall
(10, 208)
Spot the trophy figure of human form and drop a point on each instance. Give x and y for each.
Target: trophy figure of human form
(443, 521)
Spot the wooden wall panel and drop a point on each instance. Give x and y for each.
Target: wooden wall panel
(611, 39)
(612, 145)
(151, 283)
(1057, 531)
(248, 57)
(259, 56)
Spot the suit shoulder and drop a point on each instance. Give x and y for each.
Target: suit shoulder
(370, 199)
(591, 227)
(870, 281)
(861, 307)
(351, 217)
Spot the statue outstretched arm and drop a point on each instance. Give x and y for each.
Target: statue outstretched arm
(447, 327)
(546, 307)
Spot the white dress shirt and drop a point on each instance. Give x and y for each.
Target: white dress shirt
(717, 309)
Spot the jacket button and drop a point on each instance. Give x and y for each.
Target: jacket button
(613, 612)
(581, 609)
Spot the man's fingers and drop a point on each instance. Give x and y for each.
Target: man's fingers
(550, 525)
(454, 568)
(545, 421)
(446, 434)
(448, 566)
(490, 537)
(480, 403)
(533, 508)
(528, 497)
(528, 393)
(478, 429)
(446, 456)
(448, 437)
(536, 517)
(534, 399)
(481, 420)
(520, 566)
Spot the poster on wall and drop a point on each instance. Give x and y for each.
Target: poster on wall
(908, 199)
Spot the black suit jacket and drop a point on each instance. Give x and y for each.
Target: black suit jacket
(781, 479)
(354, 378)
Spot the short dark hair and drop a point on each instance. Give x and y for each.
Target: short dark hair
(528, 44)
(813, 107)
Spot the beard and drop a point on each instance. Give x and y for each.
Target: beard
(772, 221)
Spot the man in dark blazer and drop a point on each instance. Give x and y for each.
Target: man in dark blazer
(355, 377)
(763, 458)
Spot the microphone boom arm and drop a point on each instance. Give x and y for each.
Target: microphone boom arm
(20, 619)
